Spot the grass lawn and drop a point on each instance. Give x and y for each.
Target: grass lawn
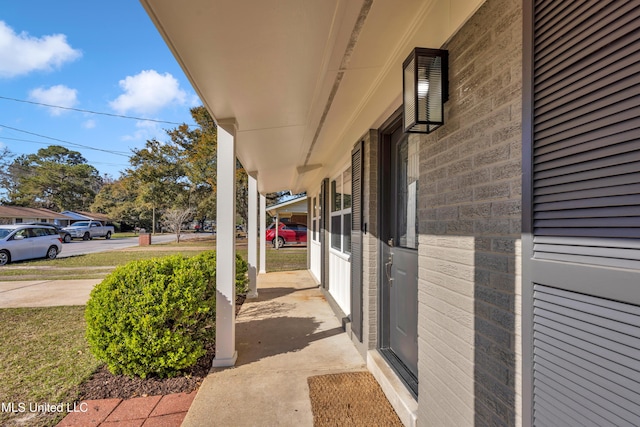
(29, 273)
(90, 266)
(285, 259)
(44, 357)
(98, 265)
(113, 258)
(123, 235)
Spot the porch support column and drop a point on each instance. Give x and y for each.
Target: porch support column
(226, 354)
(263, 234)
(252, 237)
(277, 229)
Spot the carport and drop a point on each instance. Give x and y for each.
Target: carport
(291, 211)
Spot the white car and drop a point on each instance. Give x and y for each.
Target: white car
(19, 242)
(87, 230)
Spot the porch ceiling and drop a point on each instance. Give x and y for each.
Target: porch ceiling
(303, 79)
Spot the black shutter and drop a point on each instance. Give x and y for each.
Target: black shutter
(581, 337)
(586, 152)
(356, 238)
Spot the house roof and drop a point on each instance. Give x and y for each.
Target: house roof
(21, 212)
(298, 204)
(80, 215)
(302, 80)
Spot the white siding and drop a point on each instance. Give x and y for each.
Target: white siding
(315, 250)
(340, 280)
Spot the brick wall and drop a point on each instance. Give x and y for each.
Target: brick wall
(469, 210)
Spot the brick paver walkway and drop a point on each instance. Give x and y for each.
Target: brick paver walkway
(151, 411)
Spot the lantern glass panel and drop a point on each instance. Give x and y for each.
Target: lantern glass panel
(424, 90)
(409, 95)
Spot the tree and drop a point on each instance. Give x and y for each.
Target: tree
(119, 200)
(158, 174)
(242, 193)
(200, 147)
(5, 160)
(5, 175)
(174, 218)
(177, 173)
(55, 178)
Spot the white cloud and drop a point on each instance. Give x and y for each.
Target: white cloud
(59, 95)
(89, 124)
(21, 53)
(146, 130)
(194, 101)
(148, 92)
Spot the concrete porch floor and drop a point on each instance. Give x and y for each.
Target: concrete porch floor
(284, 336)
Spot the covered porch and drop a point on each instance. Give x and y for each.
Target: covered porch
(304, 95)
(286, 335)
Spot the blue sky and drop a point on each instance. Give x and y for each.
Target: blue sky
(104, 57)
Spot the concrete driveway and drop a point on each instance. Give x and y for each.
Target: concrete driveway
(45, 293)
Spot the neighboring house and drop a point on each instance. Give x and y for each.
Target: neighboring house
(490, 268)
(74, 216)
(18, 215)
(292, 210)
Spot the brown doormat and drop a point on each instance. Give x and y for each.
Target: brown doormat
(349, 399)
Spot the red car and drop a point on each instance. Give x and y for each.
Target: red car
(288, 234)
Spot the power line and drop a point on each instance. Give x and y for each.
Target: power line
(64, 145)
(94, 112)
(2, 138)
(117, 153)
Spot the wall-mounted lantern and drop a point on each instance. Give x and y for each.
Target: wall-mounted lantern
(426, 89)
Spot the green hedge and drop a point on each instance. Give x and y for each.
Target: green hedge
(155, 317)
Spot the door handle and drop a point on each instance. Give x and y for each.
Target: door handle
(387, 268)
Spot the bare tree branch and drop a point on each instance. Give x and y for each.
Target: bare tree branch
(174, 218)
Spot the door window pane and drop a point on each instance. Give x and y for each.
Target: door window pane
(407, 193)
